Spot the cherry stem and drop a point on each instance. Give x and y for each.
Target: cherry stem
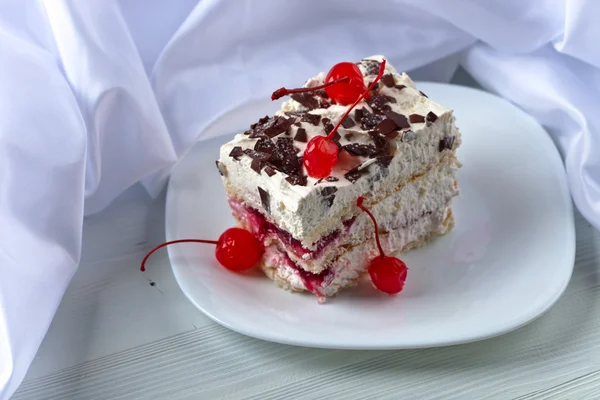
(362, 96)
(160, 246)
(284, 92)
(360, 205)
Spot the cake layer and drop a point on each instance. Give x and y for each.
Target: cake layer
(407, 203)
(263, 166)
(353, 263)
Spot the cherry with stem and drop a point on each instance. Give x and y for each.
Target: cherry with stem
(387, 273)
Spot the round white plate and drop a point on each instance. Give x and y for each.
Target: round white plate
(508, 259)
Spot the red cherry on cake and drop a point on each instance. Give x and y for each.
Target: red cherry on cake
(318, 158)
(345, 92)
(237, 249)
(387, 273)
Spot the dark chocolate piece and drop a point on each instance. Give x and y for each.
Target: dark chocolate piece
(257, 155)
(423, 94)
(311, 118)
(357, 149)
(219, 167)
(446, 143)
(379, 140)
(270, 127)
(431, 117)
(265, 199)
(371, 66)
(379, 102)
(354, 174)
(236, 153)
(308, 100)
(400, 87)
(269, 170)
(301, 135)
(299, 180)
(416, 118)
(399, 119)
(331, 179)
(349, 136)
(369, 121)
(388, 80)
(348, 122)
(386, 126)
(256, 165)
(358, 114)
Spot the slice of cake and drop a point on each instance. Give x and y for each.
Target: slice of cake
(397, 149)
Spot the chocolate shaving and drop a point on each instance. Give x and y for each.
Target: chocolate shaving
(369, 121)
(265, 199)
(416, 118)
(431, 117)
(386, 126)
(371, 66)
(385, 160)
(285, 158)
(319, 181)
(219, 168)
(331, 179)
(270, 127)
(349, 136)
(399, 119)
(348, 122)
(446, 143)
(357, 149)
(379, 140)
(423, 94)
(257, 155)
(379, 102)
(236, 153)
(358, 114)
(400, 87)
(299, 180)
(265, 145)
(308, 100)
(256, 165)
(301, 135)
(388, 80)
(327, 125)
(336, 138)
(328, 191)
(354, 174)
(269, 170)
(311, 118)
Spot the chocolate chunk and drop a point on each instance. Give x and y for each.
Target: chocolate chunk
(423, 94)
(357, 149)
(256, 165)
(431, 118)
(311, 118)
(270, 127)
(299, 180)
(336, 138)
(257, 155)
(331, 179)
(319, 181)
(328, 191)
(265, 199)
(327, 125)
(416, 118)
(265, 145)
(329, 200)
(386, 126)
(349, 136)
(379, 102)
(392, 135)
(219, 167)
(375, 87)
(269, 170)
(388, 80)
(236, 153)
(399, 119)
(371, 66)
(408, 136)
(285, 158)
(308, 100)
(348, 122)
(301, 135)
(379, 140)
(354, 174)
(385, 160)
(369, 121)
(400, 87)
(358, 114)
(446, 143)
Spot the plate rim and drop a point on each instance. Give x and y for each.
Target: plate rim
(527, 319)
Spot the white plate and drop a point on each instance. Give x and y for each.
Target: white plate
(508, 259)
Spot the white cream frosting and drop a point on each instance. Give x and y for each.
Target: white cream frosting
(300, 210)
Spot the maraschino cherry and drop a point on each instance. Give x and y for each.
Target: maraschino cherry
(388, 274)
(321, 153)
(237, 249)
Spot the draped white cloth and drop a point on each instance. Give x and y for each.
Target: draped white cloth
(96, 95)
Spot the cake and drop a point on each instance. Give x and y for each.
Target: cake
(397, 149)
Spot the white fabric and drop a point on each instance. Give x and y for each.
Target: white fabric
(97, 95)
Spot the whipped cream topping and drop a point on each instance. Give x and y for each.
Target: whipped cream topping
(299, 207)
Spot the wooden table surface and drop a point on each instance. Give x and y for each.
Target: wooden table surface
(116, 336)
